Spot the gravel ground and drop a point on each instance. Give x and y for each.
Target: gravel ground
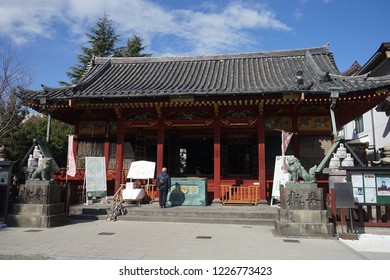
(370, 243)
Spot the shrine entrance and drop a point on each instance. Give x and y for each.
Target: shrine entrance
(196, 156)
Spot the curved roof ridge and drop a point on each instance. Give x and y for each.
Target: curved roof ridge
(275, 53)
(88, 79)
(365, 76)
(47, 88)
(311, 62)
(377, 78)
(88, 68)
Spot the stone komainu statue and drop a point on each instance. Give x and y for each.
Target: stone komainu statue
(298, 171)
(43, 171)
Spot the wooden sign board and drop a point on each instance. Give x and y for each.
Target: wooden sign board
(141, 170)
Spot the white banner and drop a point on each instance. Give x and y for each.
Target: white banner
(280, 177)
(71, 168)
(286, 137)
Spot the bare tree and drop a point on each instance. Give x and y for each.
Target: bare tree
(14, 74)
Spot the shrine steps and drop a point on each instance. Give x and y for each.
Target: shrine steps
(215, 213)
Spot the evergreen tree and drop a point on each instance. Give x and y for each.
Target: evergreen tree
(133, 48)
(19, 142)
(102, 40)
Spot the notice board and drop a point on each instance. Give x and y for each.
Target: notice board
(141, 169)
(95, 176)
(371, 187)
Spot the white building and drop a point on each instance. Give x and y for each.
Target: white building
(373, 127)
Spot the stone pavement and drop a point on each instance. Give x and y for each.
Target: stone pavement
(135, 240)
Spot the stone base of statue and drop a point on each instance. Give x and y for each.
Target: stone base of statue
(39, 205)
(302, 212)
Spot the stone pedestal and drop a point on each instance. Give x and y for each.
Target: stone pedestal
(302, 212)
(39, 205)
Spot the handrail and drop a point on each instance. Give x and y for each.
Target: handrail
(116, 204)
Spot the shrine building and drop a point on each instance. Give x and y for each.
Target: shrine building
(217, 117)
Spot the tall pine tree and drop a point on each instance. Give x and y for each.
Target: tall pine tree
(133, 48)
(102, 41)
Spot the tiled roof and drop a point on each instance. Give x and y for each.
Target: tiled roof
(351, 71)
(312, 70)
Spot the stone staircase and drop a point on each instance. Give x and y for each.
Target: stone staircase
(215, 213)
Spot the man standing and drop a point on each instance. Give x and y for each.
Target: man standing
(163, 183)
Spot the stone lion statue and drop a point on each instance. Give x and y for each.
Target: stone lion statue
(297, 171)
(43, 171)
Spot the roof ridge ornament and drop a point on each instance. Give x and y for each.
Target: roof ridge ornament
(87, 80)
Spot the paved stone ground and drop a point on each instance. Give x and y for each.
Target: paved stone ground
(131, 240)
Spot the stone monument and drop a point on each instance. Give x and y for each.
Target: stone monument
(302, 211)
(40, 202)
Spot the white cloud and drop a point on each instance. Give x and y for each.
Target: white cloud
(297, 13)
(206, 29)
(23, 21)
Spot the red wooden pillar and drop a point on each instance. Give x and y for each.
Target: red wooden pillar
(160, 147)
(106, 151)
(261, 154)
(217, 159)
(119, 154)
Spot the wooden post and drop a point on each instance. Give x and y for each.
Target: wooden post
(119, 155)
(160, 147)
(106, 151)
(217, 159)
(261, 153)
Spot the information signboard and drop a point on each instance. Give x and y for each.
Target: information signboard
(95, 177)
(370, 187)
(383, 187)
(141, 170)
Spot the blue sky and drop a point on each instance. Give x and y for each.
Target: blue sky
(47, 35)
